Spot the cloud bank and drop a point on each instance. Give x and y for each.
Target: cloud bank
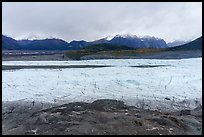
(94, 20)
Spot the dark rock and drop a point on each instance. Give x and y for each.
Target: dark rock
(107, 104)
(178, 122)
(138, 123)
(185, 112)
(167, 98)
(163, 121)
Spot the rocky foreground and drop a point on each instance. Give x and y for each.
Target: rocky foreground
(101, 117)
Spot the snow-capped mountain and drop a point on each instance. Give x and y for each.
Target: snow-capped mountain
(138, 41)
(177, 43)
(193, 45)
(129, 40)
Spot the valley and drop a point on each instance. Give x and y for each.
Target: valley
(102, 68)
(156, 90)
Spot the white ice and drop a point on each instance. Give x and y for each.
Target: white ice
(180, 81)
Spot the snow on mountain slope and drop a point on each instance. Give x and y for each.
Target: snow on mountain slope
(176, 43)
(138, 41)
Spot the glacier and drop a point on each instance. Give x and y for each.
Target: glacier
(177, 85)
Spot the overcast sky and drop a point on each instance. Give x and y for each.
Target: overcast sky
(94, 20)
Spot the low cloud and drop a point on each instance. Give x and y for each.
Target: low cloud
(90, 21)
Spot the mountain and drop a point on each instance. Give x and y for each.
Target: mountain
(106, 47)
(9, 43)
(193, 45)
(135, 41)
(177, 43)
(100, 41)
(131, 41)
(24, 42)
(46, 44)
(75, 45)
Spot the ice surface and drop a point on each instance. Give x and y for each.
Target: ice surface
(180, 81)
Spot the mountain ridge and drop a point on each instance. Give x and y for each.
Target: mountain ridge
(193, 45)
(132, 41)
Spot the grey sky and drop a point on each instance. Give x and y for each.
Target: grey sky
(90, 21)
